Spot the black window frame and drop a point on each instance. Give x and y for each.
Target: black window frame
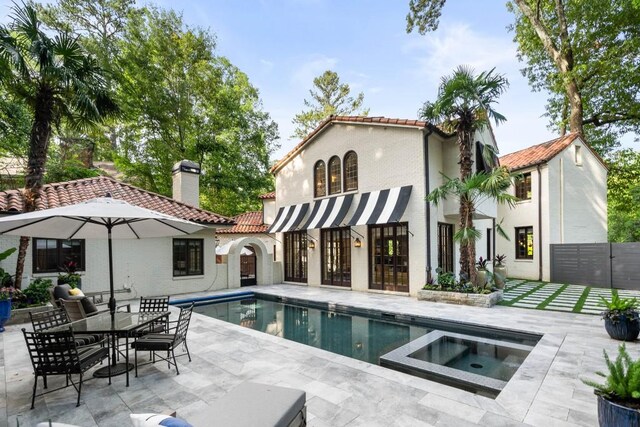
(526, 231)
(316, 176)
(60, 262)
(389, 261)
(490, 237)
(523, 187)
(337, 180)
(296, 269)
(346, 168)
(336, 239)
(186, 269)
(446, 248)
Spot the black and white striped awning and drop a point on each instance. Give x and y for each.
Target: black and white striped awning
(328, 213)
(289, 217)
(381, 207)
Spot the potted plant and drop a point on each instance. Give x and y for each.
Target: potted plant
(500, 271)
(619, 396)
(621, 318)
(5, 305)
(481, 276)
(70, 275)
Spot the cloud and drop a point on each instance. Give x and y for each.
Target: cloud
(315, 65)
(438, 53)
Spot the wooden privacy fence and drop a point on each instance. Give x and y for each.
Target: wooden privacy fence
(603, 265)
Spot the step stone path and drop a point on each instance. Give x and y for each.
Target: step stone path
(558, 297)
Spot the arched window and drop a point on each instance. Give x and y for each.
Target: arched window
(319, 179)
(350, 171)
(335, 180)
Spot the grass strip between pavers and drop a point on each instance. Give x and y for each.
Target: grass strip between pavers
(581, 300)
(551, 297)
(521, 297)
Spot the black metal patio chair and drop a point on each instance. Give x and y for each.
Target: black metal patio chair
(154, 305)
(168, 341)
(58, 317)
(56, 353)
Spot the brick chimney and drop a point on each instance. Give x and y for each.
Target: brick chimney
(186, 182)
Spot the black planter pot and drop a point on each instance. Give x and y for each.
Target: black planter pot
(624, 329)
(613, 415)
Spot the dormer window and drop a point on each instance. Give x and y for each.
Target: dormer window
(335, 179)
(319, 179)
(350, 171)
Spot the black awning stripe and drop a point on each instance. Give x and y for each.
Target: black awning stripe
(379, 207)
(359, 210)
(281, 219)
(312, 215)
(298, 214)
(346, 204)
(327, 213)
(401, 204)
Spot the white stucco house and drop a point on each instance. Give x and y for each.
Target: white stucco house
(351, 208)
(148, 267)
(562, 192)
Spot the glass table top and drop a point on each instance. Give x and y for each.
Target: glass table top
(118, 322)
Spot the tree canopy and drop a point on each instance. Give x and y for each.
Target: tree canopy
(623, 196)
(328, 97)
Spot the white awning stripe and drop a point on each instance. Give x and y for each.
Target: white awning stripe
(288, 218)
(382, 206)
(329, 213)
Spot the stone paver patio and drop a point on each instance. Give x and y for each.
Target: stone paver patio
(545, 391)
(558, 297)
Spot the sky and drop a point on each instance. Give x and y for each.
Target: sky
(283, 44)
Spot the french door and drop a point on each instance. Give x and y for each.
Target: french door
(336, 256)
(295, 256)
(445, 247)
(389, 257)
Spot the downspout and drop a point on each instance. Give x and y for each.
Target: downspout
(539, 223)
(425, 157)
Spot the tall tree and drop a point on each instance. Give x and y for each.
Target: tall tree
(59, 81)
(465, 105)
(584, 53)
(329, 97)
(180, 100)
(623, 196)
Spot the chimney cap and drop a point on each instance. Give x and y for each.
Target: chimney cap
(186, 166)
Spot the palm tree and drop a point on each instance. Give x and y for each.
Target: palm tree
(464, 106)
(471, 192)
(58, 80)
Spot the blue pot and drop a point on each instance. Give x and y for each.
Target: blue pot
(5, 313)
(625, 329)
(613, 415)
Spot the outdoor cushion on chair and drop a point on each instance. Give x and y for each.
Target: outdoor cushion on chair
(64, 292)
(255, 405)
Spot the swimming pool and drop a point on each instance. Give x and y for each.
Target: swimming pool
(471, 357)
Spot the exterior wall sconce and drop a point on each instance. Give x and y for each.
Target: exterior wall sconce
(311, 244)
(357, 243)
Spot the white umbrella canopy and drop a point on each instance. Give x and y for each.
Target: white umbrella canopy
(93, 219)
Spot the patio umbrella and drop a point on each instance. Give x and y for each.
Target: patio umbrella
(101, 218)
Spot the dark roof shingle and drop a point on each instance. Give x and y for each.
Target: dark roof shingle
(70, 192)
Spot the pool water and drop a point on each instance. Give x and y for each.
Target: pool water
(436, 351)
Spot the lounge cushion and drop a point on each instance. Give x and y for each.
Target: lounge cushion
(88, 305)
(253, 405)
(153, 420)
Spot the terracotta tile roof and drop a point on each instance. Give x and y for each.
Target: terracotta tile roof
(537, 154)
(70, 192)
(246, 223)
(355, 120)
(271, 195)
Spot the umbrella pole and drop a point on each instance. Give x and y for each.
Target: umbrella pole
(112, 299)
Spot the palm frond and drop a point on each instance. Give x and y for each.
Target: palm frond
(467, 234)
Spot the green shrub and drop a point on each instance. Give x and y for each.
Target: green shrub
(622, 383)
(37, 293)
(447, 282)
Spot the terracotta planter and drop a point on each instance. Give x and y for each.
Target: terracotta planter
(625, 329)
(611, 414)
(500, 275)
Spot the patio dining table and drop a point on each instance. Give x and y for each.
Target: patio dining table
(117, 325)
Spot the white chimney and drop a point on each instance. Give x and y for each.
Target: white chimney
(186, 182)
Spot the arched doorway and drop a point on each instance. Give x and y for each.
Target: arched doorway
(248, 267)
(246, 247)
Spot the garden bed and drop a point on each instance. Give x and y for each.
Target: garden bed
(461, 298)
(21, 315)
